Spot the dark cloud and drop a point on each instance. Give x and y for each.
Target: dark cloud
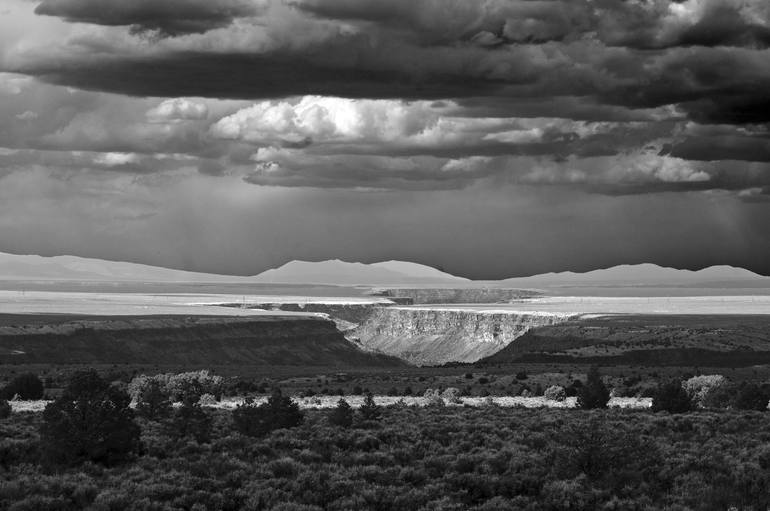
(629, 131)
(660, 24)
(650, 24)
(167, 17)
(723, 148)
(243, 76)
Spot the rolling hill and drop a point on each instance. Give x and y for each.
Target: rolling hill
(335, 272)
(387, 273)
(642, 275)
(73, 268)
(343, 273)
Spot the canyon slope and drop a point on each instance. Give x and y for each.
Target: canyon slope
(643, 339)
(180, 341)
(435, 336)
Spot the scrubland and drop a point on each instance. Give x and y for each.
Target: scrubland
(436, 458)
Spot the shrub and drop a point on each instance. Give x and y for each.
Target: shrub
(138, 384)
(207, 400)
(179, 387)
(699, 388)
(433, 396)
(25, 386)
(671, 397)
(192, 385)
(91, 420)
(341, 415)
(555, 393)
(370, 411)
(258, 420)
(5, 409)
(191, 421)
(152, 402)
(521, 375)
(451, 395)
(750, 396)
(594, 393)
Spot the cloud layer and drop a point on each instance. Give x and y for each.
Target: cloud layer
(656, 101)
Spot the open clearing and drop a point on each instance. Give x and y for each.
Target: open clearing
(51, 302)
(326, 402)
(599, 305)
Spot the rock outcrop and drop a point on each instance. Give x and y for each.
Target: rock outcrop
(434, 336)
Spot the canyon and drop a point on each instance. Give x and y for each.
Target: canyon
(435, 336)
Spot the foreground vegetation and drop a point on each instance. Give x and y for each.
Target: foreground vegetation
(707, 447)
(274, 457)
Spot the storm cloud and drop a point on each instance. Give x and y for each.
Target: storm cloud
(168, 18)
(592, 102)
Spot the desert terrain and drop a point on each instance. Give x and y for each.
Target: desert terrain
(321, 318)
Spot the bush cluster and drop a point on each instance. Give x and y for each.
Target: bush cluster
(594, 393)
(258, 420)
(25, 386)
(5, 409)
(710, 392)
(178, 387)
(555, 393)
(90, 421)
(341, 415)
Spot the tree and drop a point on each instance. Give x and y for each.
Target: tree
(91, 420)
(341, 415)
(671, 397)
(370, 411)
(5, 409)
(26, 386)
(152, 401)
(258, 420)
(594, 393)
(191, 421)
(701, 388)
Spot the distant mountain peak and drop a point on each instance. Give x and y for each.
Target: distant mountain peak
(641, 274)
(336, 271)
(73, 268)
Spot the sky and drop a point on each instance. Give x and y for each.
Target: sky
(490, 138)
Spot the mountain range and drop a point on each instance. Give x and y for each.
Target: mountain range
(337, 272)
(641, 275)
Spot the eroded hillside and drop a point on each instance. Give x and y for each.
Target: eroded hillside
(644, 339)
(431, 336)
(182, 340)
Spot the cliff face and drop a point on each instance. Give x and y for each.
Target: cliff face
(181, 340)
(426, 336)
(471, 295)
